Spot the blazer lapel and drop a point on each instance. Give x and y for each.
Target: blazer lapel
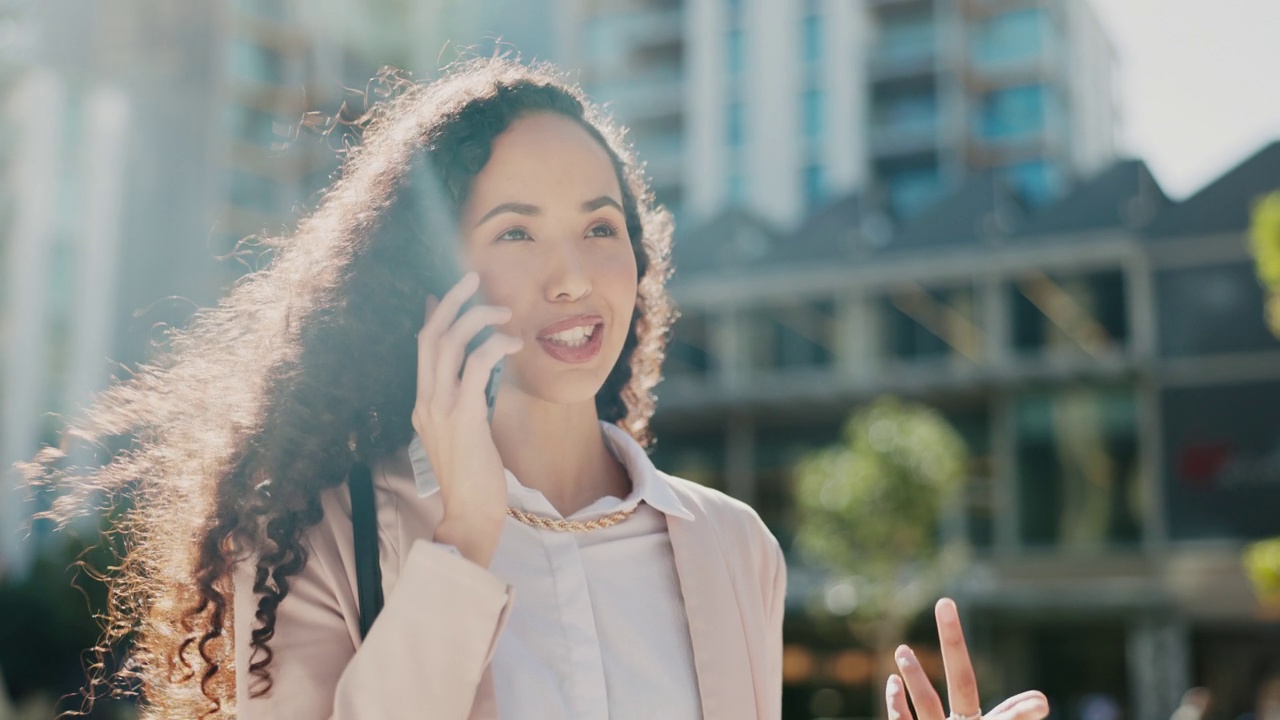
(715, 623)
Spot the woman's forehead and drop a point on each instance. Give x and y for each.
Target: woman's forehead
(543, 159)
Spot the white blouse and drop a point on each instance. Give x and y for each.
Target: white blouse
(597, 627)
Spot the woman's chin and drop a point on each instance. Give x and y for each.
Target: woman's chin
(562, 383)
(575, 388)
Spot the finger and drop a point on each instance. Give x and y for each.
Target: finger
(925, 699)
(962, 685)
(447, 310)
(452, 347)
(1030, 705)
(426, 360)
(481, 363)
(895, 699)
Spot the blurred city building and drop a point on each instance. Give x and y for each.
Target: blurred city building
(107, 116)
(143, 143)
(779, 106)
(908, 196)
(290, 69)
(1106, 358)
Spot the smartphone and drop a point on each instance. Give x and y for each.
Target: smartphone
(433, 218)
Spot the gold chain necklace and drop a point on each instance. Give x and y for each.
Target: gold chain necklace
(570, 525)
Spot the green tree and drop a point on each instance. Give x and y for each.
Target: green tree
(1262, 559)
(871, 508)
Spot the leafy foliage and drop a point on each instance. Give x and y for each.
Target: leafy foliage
(870, 506)
(1262, 563)
(1264, 242)
(46, 619)
(1262, 559)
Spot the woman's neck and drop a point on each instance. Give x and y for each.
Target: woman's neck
(557, 450)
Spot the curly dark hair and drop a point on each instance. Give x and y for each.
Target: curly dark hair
(265, 400)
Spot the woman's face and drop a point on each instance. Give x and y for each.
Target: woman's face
(545, 230)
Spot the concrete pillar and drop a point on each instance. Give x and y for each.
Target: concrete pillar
(1158, 653)
(727, 343)
(996, 318)
(740, 463)
(37, 161)
(1005, 472)
(858, 337)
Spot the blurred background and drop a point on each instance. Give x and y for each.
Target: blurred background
(971, 303)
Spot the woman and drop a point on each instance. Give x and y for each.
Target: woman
(534, 565)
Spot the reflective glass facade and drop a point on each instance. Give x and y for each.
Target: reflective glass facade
(1009, 39)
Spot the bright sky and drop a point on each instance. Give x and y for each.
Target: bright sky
(1199, 83)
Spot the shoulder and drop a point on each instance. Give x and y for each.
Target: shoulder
(736, 524)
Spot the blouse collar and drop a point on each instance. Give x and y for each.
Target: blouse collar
(648, 484)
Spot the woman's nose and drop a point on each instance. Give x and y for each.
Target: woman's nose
(569, 277)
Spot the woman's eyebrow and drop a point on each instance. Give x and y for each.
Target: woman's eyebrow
(603, 200)
(518, 208)
(534, 210)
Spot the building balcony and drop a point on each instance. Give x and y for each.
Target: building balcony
(636, 28)
(1008, 149)
(975, 9)
(904, 136)
(1203, 581)
(657, 27)
(658, 93)
(663, 156)
(891, 5)
(990, 75)
(892, 61)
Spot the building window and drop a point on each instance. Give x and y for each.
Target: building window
(253, 192)
(1014, 113)
(735, 52)
(735, 132)
(257, 63)
(737, 189)
(779, 448)
(1221, 478)
(812, 104)
(978, 500)
(1037, 182)
(814, 185)
(688, 353)
(1070, 315)
(1077, 468)
(905, 120)
(671, 197)
(698, 456)
(932, 323)
(606, 37)
(907, 42)
(913, 190)
(792, 336)
(256, 127)
(811, 37)
(1212, 310)
(1009, 38)
(273, 9)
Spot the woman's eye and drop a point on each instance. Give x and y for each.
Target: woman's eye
(603, 230)
(514, 234)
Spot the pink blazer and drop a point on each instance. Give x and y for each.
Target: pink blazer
(428, 654)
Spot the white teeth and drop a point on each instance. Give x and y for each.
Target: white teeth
(573, 337)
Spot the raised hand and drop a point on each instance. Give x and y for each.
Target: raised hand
(450, 415)
(962, 684)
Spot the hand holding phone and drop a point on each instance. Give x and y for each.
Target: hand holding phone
(451, 415)
(432, 217)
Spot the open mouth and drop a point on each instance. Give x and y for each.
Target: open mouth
(579, 342)
(574, 337)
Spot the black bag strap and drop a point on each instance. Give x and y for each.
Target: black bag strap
(364, 525)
